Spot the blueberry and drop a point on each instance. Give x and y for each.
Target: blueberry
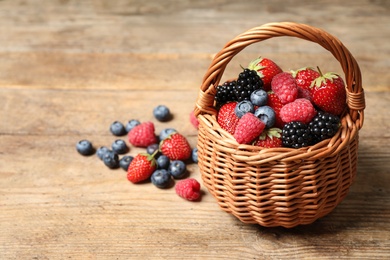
(161, 178)
(111, 159)
(166, 132)
(162, 113)
(117, 128)
(101, 151)
(152, 148)
(84, 147)
(131, 124)
(119, 146)
(243, 107)
(177, 169)
(259, 97)
(125, 161)
(267, 115)
(194, 155)
(162, 162)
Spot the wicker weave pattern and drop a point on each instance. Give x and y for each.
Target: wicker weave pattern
(280, 186)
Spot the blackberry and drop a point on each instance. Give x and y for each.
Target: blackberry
(323, 126)
(247, 82)
(296, 134)
(225, 93)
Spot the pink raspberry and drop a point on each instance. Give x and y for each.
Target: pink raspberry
(142, 135)
(248, 128)
(194, 121)
(301, 110)
(188, 189)
(285, 87)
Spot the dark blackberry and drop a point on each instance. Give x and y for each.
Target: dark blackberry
(323, 126)
(247, 82)
(225, 93)
(296, 134)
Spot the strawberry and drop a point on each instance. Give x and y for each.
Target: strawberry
(227, 118)
(285, 87)
(275, 103)
(304, 77)
(329, 93)
(141, 168)
(266, 69)
(248, 128)
(270, 138)
(142, 135)
(176, 147)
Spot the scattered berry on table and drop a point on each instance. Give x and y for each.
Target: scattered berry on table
(162, 162)
(247, 82)
(141, 168)
(248, 128)
(161, 178)
(152, 148)
(117, 128)
(101, 151)
(259, 97)
(324, 126)
(296, 135)
(166, 132)
(177, 169)
(194, 155)
(125, 161)
(84, 147)
(162, 113)
(225, 93)
(131, 124)
(266, 69)
(285, 87)
(301, 110)
(243, 107)
(194, 121)
(142, 135)
(188, 189)
(267, 115)
(227, 118)
(270, 138)
(111, 159)
(176, 147)
(119, 146)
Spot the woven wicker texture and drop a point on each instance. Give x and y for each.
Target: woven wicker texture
(279, 186)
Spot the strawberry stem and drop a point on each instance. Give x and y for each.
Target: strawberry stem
(320, 71)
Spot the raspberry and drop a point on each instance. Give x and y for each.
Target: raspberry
(285, 87)
(194, 121)
(248, 128)
(188, 189)
(142, 135)
(300, 110)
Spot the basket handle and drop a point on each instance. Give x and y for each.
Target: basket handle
(354, 89)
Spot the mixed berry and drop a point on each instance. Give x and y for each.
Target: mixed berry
(271, 108)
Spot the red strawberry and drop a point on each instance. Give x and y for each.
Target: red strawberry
(141, 168)
(304, 77)
(301, 110)
(227, 118)
(274, 102)
(142, 135)
(176, 147)
(329, 93)
(266, 69)
(270, 138)
(248, 128)
(285, 87)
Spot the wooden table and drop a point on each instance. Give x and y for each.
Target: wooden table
(68, 69)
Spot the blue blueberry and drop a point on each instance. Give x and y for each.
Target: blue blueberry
(119, 146)
(166, 132)
(194, 155)
(84, 147)
(111, 159)
(177, 169)
(243, 107)
(152, 148)
(117, 129)
(101, 151)
(125, 161)
(267, 115)
(162, 113)
(131, 124)
(161, 178)
(163, 162)
(259, 97)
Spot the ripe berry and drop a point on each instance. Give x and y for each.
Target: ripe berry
(177, 169)
(227, 118)
(161, 178)
(125, 161)
(225, 93)
(84, 147)
(163, 162)
(248, 128)
(194, 155)
(131, 124)
(141, 168)
(152, 148)
(188, 189)
(119, 146)
(243, 107)
(176, 147)
(111, 159)
(101, 151)
(324, 126)
(267, 115)
(259, 97)
(301, 110)
(117, 129)
(142, 135)
(247, 82)
(296, 134)
(166, 132)
(285, 87)
(162, 113)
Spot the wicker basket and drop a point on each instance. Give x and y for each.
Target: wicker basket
(279, 186)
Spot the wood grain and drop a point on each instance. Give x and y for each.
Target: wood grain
(68, 69)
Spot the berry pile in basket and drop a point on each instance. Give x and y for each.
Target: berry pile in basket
(268, 107)
(164, 160)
